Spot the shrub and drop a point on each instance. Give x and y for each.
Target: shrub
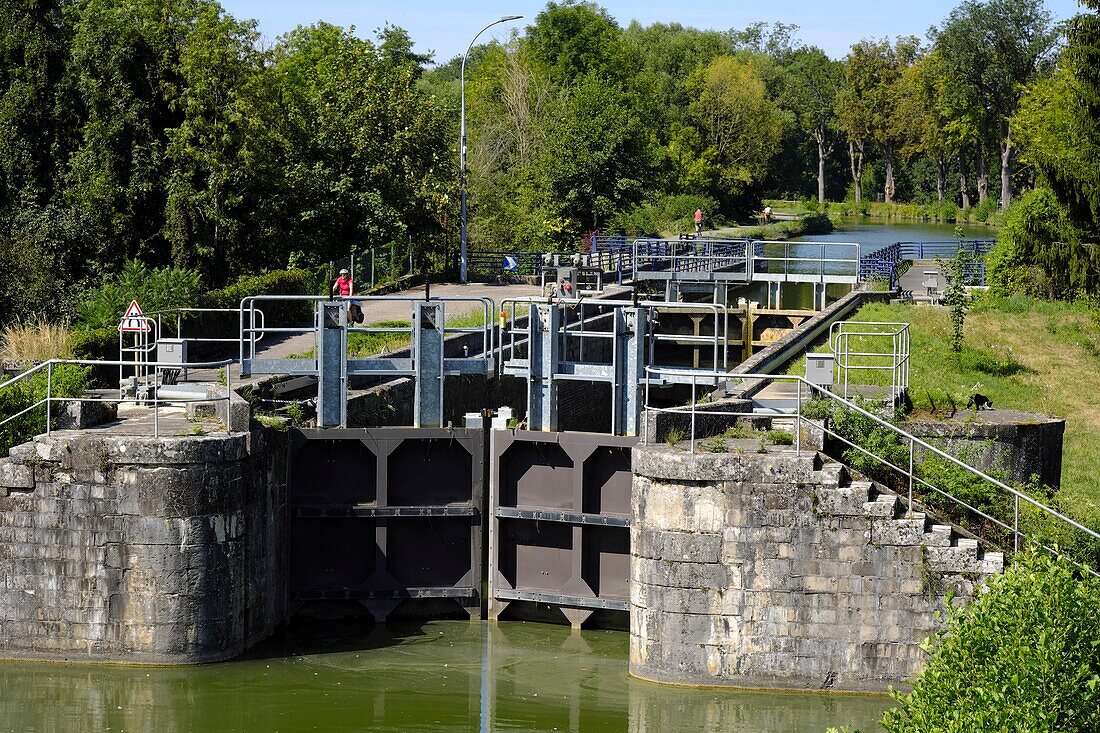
(68, 381)
(158, 289)
(667, 215)
(1022, 656)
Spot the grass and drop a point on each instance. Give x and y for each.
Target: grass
(807, 224)
(1024, 354)
(34, 341)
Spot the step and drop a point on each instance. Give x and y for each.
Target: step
(902, 532)
(843, 501)
(938, 535)
(884, 507)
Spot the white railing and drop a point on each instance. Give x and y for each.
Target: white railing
(152, 398)
(253, 327)
(867, 335)
(908, 473)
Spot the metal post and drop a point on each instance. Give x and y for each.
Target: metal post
(372, 267)
(428, 353)
(798, 420)
(462, 252)
(692, 438)
(49, 392)
(910, 476)
(1016, 524)
(352, 266)
(229, 398)
(156, 404)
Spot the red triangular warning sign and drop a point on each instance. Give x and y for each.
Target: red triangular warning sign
(133, 320)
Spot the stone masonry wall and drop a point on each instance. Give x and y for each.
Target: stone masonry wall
(141, 550)
(777, 571)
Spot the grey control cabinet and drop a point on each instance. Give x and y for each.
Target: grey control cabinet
(172, 351)
(819, 369)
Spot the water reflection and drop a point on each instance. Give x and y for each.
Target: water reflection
(440, 676)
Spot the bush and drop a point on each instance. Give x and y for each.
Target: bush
(68, 381)
(667, 215)
(277, 282)
(158, 289)
(1022, 656)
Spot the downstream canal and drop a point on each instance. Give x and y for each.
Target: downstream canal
(437, 676)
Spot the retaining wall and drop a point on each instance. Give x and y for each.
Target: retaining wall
(139, 549)
(777, 571)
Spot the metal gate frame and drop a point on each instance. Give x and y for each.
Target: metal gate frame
(380, 591)
(589, 532)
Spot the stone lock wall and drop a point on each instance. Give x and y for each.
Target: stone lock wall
(141, 550)
(778, 571)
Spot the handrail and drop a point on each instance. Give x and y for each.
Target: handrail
(812, 390)
(248, 307)
(155, 366)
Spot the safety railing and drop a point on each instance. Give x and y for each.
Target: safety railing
(510, 262)
(906, 478)
(865, 355)
(253, 328)
(944, 249)
(806, 261)
(884, 264)
(152, 387)
(658, 258)
(187, 315)
(584, 325)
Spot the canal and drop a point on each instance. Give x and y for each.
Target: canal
(874, 234)
(435, 676)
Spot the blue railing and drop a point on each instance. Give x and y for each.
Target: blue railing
(884, 264)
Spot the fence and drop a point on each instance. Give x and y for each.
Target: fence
(151, 396)
(884, 264)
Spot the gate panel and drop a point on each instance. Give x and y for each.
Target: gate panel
(386, 515)
(560, 522)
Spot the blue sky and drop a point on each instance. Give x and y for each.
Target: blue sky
(446, 27)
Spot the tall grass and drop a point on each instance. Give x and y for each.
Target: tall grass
(34, 341)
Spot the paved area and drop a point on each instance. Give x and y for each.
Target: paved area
(914, 277)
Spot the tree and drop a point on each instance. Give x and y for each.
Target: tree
(573, 40)
(813, 81)
(991, 51)
(740, 125)
(866, 104)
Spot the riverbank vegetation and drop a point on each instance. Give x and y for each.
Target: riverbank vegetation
(1024, 654)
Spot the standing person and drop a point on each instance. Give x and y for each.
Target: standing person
(698, 221)
(344, 286)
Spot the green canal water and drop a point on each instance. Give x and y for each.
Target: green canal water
(437, 676)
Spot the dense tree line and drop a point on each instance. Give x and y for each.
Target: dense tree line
(163, 131)
(160, 130)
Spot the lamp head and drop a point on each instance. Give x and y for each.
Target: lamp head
(510, 17)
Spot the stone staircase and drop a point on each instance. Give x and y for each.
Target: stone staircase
(947, 549)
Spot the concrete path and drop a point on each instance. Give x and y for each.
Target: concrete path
(913, 279)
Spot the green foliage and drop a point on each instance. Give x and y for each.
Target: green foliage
(780, 437)
(674, 436)
(157, 289)
(954, 294)
(67, 381)
(1039, 252)
(668, 215)
(1023, 655)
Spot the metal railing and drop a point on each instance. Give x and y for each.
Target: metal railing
(252, 329)
(181, 316)
(867, 334)
(806, 261)
(883, 264)
(580, 328)
(911, 482)
(153, 387)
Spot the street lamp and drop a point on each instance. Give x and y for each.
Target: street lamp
(462, 144)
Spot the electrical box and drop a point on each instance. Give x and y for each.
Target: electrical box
(172, 351)
(819, 369)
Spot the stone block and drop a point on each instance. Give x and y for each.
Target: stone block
(15, 476)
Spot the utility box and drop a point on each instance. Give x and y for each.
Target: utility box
(819, 369)
(172, 351)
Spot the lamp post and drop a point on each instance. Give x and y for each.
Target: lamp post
(462, 145)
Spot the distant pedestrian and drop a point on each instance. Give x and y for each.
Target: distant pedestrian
(698, 221)
(767, 215)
